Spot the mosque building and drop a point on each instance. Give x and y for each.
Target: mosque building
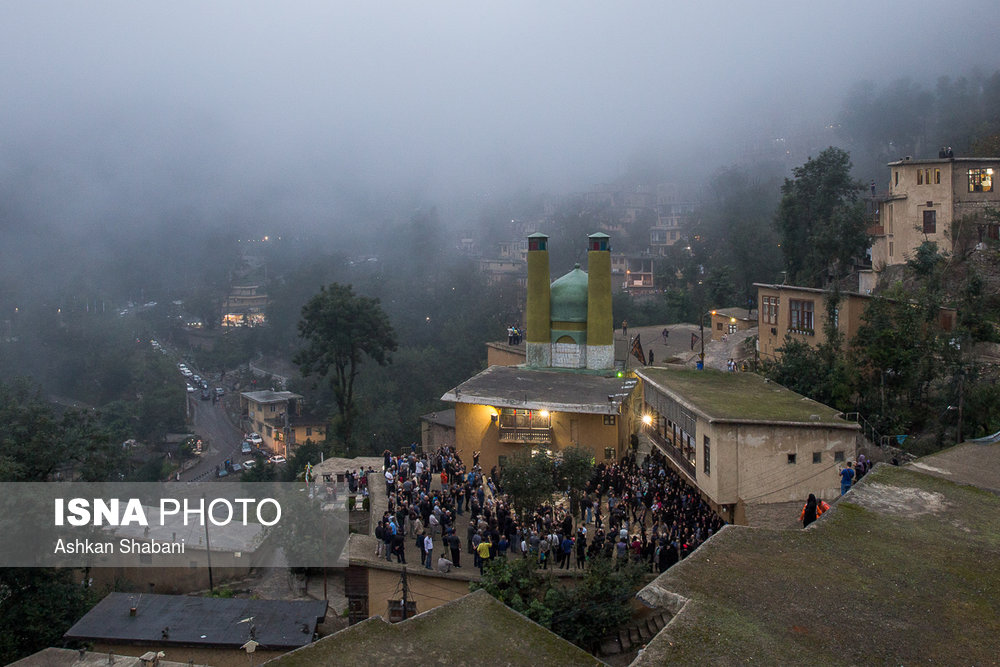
(569, 391)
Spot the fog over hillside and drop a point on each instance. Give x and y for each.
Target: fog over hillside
(127, 121)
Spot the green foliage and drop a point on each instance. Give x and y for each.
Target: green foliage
(821, 219)
(583, 612)
(572, 471)
(340, 330)
(529, 480)
(37, 606)
(35, 442)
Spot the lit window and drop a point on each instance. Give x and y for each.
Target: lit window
(981, 180)
(937, 176)
(920, 177)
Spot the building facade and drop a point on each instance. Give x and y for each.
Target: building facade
(279, 419)
(925, 200)
(743, 440)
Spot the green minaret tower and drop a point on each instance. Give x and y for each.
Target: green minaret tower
(600, 328)
(538, 346)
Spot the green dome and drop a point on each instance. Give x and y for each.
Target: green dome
(569, 297)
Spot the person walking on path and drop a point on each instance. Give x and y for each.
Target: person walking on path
(846, 478)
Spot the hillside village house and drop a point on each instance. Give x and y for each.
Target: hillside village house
(801, 314)
(744, 441)
(278, 417)
(925, 199)
(246, 305)
(726, 321)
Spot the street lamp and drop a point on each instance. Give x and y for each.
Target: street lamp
(701, 325)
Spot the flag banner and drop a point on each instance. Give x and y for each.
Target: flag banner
(637, 350)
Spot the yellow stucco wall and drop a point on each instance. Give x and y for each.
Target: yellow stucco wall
(474, 430)
(427, 592)
(750, 461)
(503, 355)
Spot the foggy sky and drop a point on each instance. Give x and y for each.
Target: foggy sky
(138, 112)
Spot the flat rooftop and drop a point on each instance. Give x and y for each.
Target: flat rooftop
(739, 397)
(267, 396)
(198, 621)
(536, 389)
(902, 570)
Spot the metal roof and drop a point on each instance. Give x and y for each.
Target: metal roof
(196, 621)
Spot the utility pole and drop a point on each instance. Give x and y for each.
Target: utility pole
(406, 592)
(961, 393)
(208, 551)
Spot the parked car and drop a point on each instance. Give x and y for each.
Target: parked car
(191, 389)
(255, 439)
(277, 458)
(219, 391)
(249, 464)
(246, 447)
(237, 467)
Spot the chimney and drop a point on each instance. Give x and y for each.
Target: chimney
(538, 342)
(600, 328)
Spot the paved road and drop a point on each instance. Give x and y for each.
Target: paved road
(212, 425)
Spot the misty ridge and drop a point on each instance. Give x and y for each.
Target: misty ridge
(162, 155)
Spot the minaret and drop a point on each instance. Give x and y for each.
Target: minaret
(538, 344)
(600, 328)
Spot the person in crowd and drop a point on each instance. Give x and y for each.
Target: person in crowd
(812, 510)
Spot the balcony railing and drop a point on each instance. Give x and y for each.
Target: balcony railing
(672, 452)
(533, 436)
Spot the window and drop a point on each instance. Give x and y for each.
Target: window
(501, 461)
(609, 420)
(817, 457)
(609, 453)
(937, 176)
(272, 407)
(707, 455)
(836, 318)
(980, 180)
(718, 325)
(800, 315)
(309, 431)
(838, 456)
(791, 458)
(732, 328)
(930, 222)
(770, 310)
(896, 177)
(890, 248)
(920, 177)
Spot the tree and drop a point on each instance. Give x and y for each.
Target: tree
(584, 614)
(528, 480)
(573, 469)
(341, 329)
(821, 219)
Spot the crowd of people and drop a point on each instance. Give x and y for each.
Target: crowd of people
(639, 511)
